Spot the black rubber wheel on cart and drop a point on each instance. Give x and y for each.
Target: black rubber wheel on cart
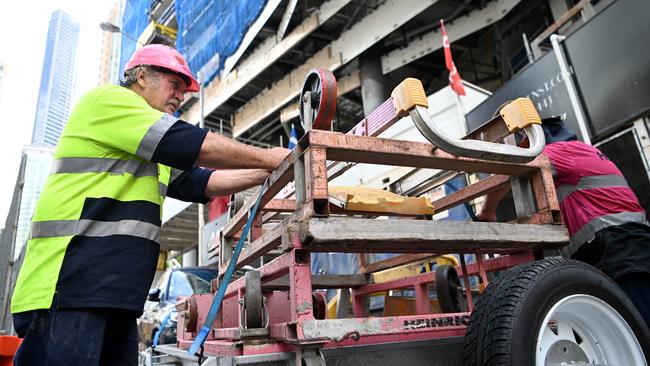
(448, 290)
(555, 311)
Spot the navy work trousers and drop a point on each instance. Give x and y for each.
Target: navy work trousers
(71, 337)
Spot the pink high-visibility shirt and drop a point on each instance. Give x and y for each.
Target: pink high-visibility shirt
(589, 187)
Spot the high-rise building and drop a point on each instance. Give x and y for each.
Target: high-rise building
(52, 112)
(57, 79)
(109, 65)
(38, 160)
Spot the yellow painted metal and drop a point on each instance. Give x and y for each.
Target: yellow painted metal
(162, 259)
(163, 29)
(520, 113)
(369, 199)
(154, 27)
(412, 269)
(331, 307)
(409, 94)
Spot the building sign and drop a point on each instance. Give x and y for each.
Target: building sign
(542, 82)
(609, 57)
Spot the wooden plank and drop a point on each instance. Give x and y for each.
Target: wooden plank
(560, 22)
(404, 236)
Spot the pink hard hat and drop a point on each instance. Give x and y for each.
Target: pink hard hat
(165, 57)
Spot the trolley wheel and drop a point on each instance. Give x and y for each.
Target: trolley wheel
(191, 315)
(237, 201)
(321, 85)
(449, 290)
(253, 301)
(555, 312)
(320, 305)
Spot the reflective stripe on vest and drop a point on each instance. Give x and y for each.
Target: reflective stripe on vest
(175, 173)
(104, 165)
(92, 228)
(150, 141)
(588, 231)
(162, 187)
(590, 182)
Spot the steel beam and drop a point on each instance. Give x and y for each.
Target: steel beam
(349, 45)
(458, 29)
(375, 150)
(286, 17)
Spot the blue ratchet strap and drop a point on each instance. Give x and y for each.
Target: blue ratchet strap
(470, 212)
(156, 336)
(223, 284)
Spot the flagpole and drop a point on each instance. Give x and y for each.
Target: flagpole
(455, 82)
(463, 120)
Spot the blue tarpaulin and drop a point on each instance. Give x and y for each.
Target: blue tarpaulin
(209, 31)
(134, 21)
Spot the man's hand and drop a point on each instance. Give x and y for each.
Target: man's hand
(486, 216)
(278, 154)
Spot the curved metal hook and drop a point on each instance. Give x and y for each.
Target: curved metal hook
(479, 149)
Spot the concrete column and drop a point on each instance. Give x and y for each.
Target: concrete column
(190, 258)
(373, 82)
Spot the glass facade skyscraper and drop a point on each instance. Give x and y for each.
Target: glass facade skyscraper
(57, 79)
(52, 112)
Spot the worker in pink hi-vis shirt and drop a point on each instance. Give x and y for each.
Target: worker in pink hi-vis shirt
(608, 228)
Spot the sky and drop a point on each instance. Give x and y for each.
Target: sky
(23, 30)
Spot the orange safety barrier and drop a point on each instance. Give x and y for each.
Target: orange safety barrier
(8, 347)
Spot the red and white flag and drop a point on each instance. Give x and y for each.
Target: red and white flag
(454, 77)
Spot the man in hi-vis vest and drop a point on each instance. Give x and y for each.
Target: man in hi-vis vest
(607, 225)
(93, 246)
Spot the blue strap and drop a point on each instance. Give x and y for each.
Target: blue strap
(156, 336)
(470, 212)
(223, 284)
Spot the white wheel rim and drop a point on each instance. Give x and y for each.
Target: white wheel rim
(582, 327)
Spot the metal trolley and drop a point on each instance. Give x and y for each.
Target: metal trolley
(277, 313)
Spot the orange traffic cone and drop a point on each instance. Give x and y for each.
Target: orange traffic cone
(8, 347)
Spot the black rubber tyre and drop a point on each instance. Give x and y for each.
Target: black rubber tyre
(448, 290)
(505, 323)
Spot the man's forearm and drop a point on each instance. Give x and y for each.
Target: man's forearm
(219, 152)
(492, 199)
(226, 182)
